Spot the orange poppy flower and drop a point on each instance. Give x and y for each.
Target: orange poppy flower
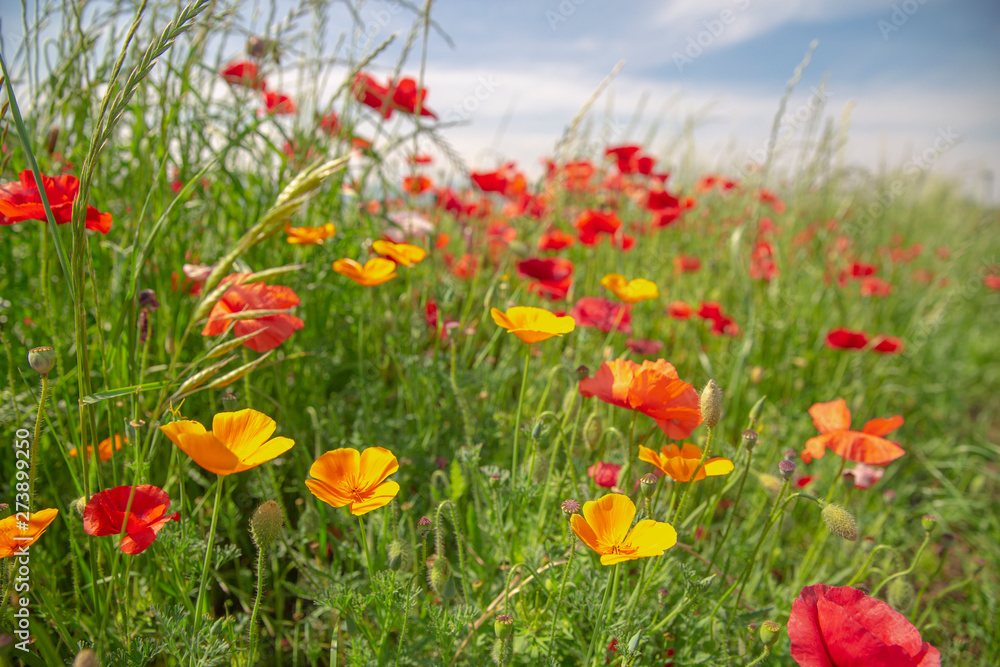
(274, 329)
(532, 325)
(309, 235)
(416, 185)
(358, 479)
(104, 449)
(376, 270)
(680, 463)
(652, 388)
(12, 538)
(604, 527)
(630, 291)
(401, 253)
(833, 420)
(238, 441)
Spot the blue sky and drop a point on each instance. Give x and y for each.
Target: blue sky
(904, 74)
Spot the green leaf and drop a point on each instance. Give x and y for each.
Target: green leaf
(121, 391)
(457, 481)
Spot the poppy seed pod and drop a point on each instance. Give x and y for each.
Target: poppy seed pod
(570, 507)
(503, 625)
(749, 438)
(839, 521)
(769, 632)
(42, 359)
(928, 522)
(647, 484)
(439, 576)
(266, 523)
(399, 555)
(711, 404)
(786, 468)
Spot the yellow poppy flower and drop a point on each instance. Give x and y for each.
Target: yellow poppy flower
(376, 270)
(679, 463)
(532, 324)
(238, 441)
(349, 477)
(401, 253)
(604, 527)
(12, 538)
(630, 291)
(309, 235)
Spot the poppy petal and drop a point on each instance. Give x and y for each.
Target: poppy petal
(209, 452)
(831, 416)
(610, 517)
(328, 493)
(882, 427)
(376, 464)
(377, 497)
(244, 431)
(336, 465)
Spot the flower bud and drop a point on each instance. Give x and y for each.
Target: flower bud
(424, 525)
(786, 468)
(647, 484)
(771, 483)
(439, 576)
(791, 454)
(752, 629)
(900, 594)
(80, 504)
(147, 299)
(51, 139)
(757, 410)
(928, 521)
(536, 430)
(711, 404)
(839, 521)
(398, 555)
(769, 632)
(256, 46)
(266, 523)
(570, 507)
(42, 359)
(749, 438)
(503, 625)
(86, 658)
(593, 429)
(756, 375)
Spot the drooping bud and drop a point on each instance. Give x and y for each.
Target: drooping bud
(839, 521)
(42, 359)
(147, 299)
(900, 593)
(786, 468)
(80, 504)
(439, 576)
(398, 555)
(711, 404)
(791, 454)
(749, 439)
(266, 523)
(570, 507)
(503, 625)
(769, 632)
(647, 484)
(536, 430)
(593, 429)
(86, 658)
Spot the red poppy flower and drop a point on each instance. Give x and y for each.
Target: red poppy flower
(591, 223)
(279, 104)
(625, 156)
(243, 73)
(686, 264)
(421, 158)
(370, 93)
(666, 217)
(846, 339)
(431, 317)
(771, 199)
(721, 323)
(643, 346)
(833, 421)
(274, 329)
(555, 239)
(603, 314)
(762, 264)
(330, 123)
(889, 345)
(491, 181)
(874, 286)
(652, 388)
(20, 201)
(416, 185)
(992, 281)
(840, 625)
(604, 474)
(657, 200)
(405, 97)
(401, 96)
(679, 310)
(105, 515)
(547, 269)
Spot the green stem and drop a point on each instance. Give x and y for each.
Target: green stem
(34, 442)
(517, 434)
(903, 573)
(368, 558)
(863, 572)
(732, 515)
(609, 589)
(206, 565)
(679, 514)
(559, 599)
(256, 604)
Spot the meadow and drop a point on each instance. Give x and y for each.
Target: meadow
(286, 382)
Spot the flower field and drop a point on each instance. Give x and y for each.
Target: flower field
(284, 381)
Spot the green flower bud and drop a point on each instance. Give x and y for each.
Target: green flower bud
(266, 523)
(839, 521)
(593, 429)
(711, 404)
(928, 522)
(900, 593)
(397, 555)
(42, 359)
(748, 438)
(439, 576)
(757, 410)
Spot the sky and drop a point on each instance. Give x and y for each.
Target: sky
(914, 82)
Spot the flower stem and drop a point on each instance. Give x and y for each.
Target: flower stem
(559, 599)
(903, 573)
(609, 590)
(34, 442)
(732, 515)
(517, 433)
(206, 564)
(679, 514)
(256, 604)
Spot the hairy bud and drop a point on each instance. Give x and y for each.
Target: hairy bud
(711, 404)
(266, 523)
(839, 521)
